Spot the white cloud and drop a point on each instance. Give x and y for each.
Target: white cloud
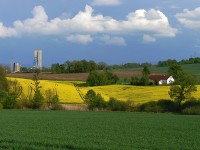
(190, 18)
(6, 32)
(119, 41)
(82, 39)
(152, 22)
(148, 38)
(107, 2)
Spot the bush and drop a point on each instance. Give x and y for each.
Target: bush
(151, 106)
(10, 102)
(190, 103)
(96, 78)
(135, 81)
(3, 96)
(195, 110)
(94, 100)
(1, 106)
(160, 106)
(167, 105)
(37, 100)
(117, 105)
(111, 78)
(56, 107)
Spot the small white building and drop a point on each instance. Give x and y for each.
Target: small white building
(161, 79)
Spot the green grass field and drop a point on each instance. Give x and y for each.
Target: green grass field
(97, 130)
(191, 68)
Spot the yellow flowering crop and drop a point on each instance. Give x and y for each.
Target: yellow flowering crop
(66, 91)
(138, 94)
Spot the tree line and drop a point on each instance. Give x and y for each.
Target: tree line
(84, 66)
(167, 63)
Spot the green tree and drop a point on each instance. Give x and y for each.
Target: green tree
(176, 71)
(3, 80)
(135, 81)
(38, 97)
(94, 100)
(145, 76)
(184, 85)
(96, 78)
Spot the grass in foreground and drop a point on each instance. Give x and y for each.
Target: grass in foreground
(97, 130)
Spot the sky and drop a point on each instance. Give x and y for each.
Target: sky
(113, 31)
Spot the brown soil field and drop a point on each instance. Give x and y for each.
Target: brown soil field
(69, 76)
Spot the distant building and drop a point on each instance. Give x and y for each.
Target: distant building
(16, 67)
(37, 63)
(161, 79)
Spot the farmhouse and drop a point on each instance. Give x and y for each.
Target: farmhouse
(161, 79)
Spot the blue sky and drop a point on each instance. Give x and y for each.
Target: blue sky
(114, 31)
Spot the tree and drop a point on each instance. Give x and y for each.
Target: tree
(38, 97)
(184, 85)
(176, 71)
(3, 80)
(96, 78)
(102, 65)
(145, 76)
(146, 71)
(94, 100)
(135, 81)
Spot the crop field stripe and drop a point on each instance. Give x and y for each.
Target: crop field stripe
(70, 93)
(97, 130)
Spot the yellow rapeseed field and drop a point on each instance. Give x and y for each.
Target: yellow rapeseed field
(66, 90)
(68, 93)
(138, 94)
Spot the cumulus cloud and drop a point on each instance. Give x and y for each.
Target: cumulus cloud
(148, 38)
(106, 39)
(6, 32)
(85, 23)
(107, 2)
(190, 18)
(82, 39)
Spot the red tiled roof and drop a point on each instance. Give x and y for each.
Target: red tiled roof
(158, 77)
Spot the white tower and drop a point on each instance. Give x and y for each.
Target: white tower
(38, 59)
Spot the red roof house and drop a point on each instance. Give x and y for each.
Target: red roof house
(161, 79)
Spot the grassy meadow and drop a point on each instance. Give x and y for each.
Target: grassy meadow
(30, 129)
(191, 68)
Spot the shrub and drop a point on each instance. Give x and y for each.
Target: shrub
(94, 100)
(3, 96)
(135, 81)
(151, 106)
(10, 102)
(167, 105)
(117, 105)
(57, 107)
(52, 99)
(194, 110)
(37, 101)
(190, 103)
(159, 106)
(111, 78)
(96, 78)
(1, 106)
